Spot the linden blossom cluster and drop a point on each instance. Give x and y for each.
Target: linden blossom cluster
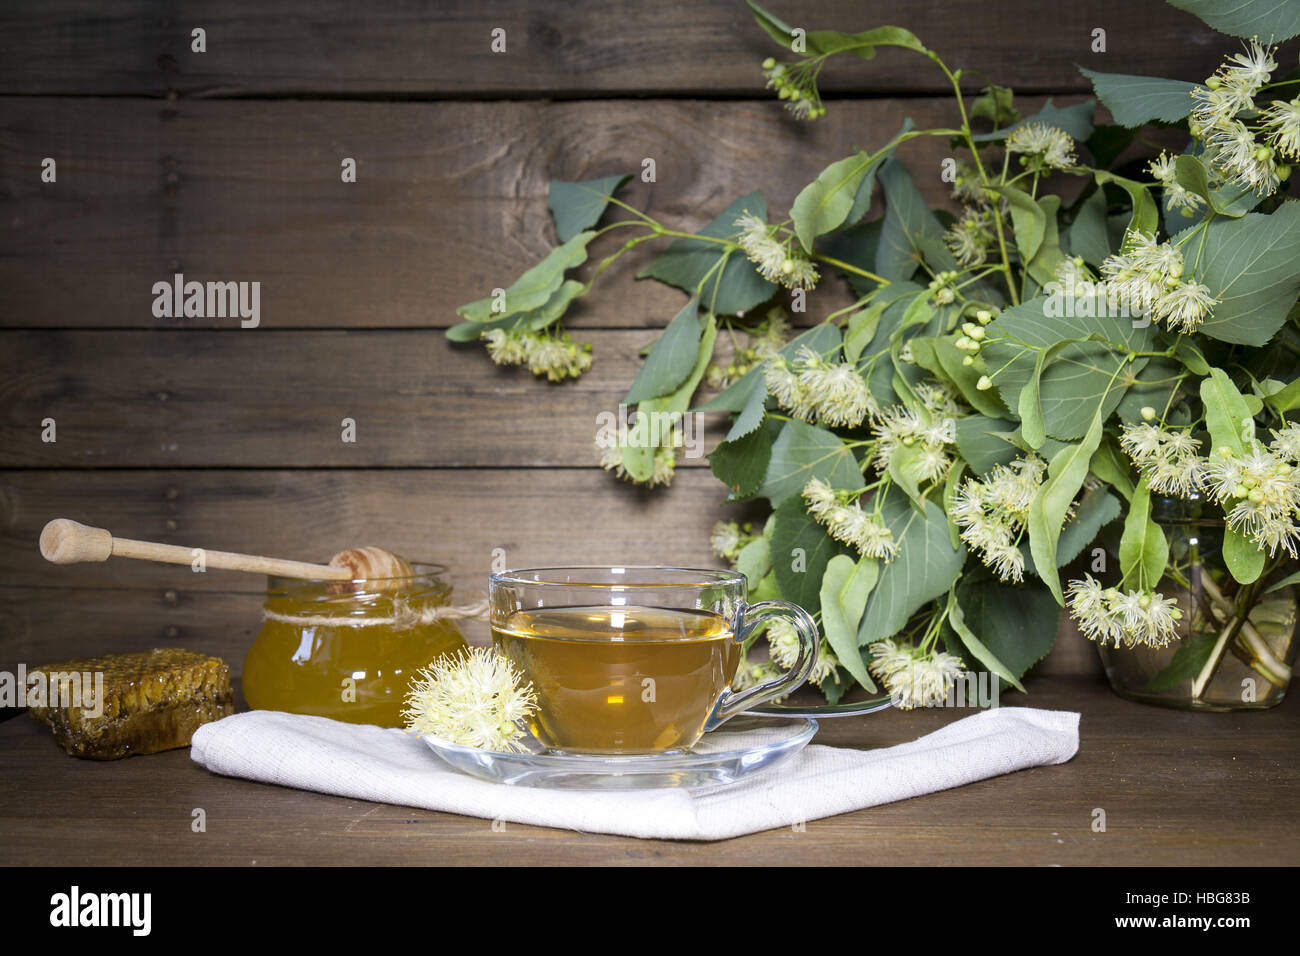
(796, 84)
(1042, 148)
(1148, 276)
(1230, 143)
(813, 389)
(915, 676)
(930, 429)
(1259, 491)
(992, 513)
(556, 358)
(1109, 615)
(1166, 457)
(778, 260)
(783, 650)
(764, 341)
(846, 521)
(476, 700)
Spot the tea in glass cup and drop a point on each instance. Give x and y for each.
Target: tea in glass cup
(635, 660)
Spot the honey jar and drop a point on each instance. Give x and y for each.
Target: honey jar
(349, 650)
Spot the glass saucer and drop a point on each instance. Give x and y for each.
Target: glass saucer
(740, 748)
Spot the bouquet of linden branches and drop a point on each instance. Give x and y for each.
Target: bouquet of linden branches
(1012, 385)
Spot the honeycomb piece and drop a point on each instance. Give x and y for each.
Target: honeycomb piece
(152, 701)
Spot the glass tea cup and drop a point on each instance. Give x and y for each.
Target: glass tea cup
(636, 660)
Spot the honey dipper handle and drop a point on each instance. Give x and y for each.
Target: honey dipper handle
(68, 542)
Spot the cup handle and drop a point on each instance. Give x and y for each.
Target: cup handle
(749, 617)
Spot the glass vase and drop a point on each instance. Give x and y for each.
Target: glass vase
(1236, 643)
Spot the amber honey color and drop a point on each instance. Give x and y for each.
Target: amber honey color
(621, 680)
(356, 674)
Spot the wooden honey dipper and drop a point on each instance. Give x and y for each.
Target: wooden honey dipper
(64, 541)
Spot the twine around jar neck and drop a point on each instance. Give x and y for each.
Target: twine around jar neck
(403, 617)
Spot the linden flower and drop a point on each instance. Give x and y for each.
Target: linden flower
(901, 427)
(1249, 70)
(1286, 443)
(1282, 123)
(1185, 307)
(1108, 615)
(783, 642)
(848, 522)
(776, 261)
(1146, 276)
(1233, 151)
(914, 677)
(1166, 457)
(752, 673)
(1074, 277)
(725, 540)
(556, 358)
(827, 664)
(1260, 493)
(1047, 146)
(613, 458)
(991, 514)
(475, 700)
(813, 389)
(505, 348)
(970, 239)
(1164, 169)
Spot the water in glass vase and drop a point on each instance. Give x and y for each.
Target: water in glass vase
(620, 680)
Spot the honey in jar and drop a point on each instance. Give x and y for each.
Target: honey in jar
(349, 651)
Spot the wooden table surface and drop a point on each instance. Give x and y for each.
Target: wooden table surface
(1177, 788)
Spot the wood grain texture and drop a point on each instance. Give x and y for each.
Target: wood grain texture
(260, 398)
(556, 48)
(451, 516)
(1236, 778)
(450, 201)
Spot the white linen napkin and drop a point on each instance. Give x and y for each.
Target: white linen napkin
(392, 766)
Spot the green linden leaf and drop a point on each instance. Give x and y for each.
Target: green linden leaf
(1226, 412)
(1080, 372)
(1143, 549)
(1095, 509)
(733, 287)
(1137, 100)
(755, 561)
(826, 203)
(1252, 266)
(1186, 663)
(533, 320)
(974, 646)
(1088, 234)
(1226, 200)
(1065, 474)
(925, 566)
(579, 206)
(911, 232)
(752, 415)
(741, 463)
(846, 585)
(986, 442)
(1274, 20)
(672, 357)
(1146, 214)
(1017, 625)
(801, 549)
(534, 287)
(802, 452)
(995, 106)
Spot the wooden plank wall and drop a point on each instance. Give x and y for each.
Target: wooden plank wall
(224, 165)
